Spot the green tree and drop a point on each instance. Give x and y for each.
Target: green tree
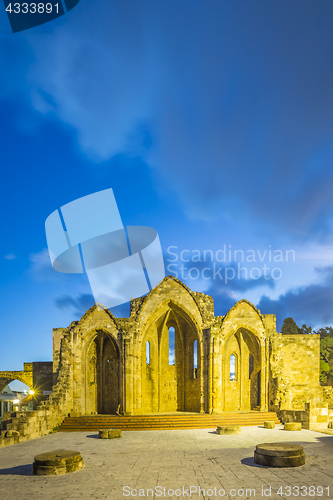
(326, 359)
(325, 332)
(305, 329)
(289, 327)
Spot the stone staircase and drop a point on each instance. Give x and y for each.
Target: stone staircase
(165, 421)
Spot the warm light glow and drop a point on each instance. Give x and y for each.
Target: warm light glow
(31, 392)
(16, 401)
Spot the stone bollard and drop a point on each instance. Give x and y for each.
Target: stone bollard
(330, 425)
(57, 462)
(293, 426)
(227, 430)
(109, 433)
(269, 424)
(279, 455)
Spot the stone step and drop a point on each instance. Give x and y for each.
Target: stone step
(148, 422)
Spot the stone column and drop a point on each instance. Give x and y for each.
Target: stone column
(264, 376)
(201, 345)
(215, 370)
(128, 378)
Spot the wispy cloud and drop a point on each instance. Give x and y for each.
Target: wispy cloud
(41, 267)
(77, 304)
(10, 256)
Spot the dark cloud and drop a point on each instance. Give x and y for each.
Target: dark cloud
(222, 292)
(311, 304)
(238, 114)
(231, 277)
(79, 304)
(235, 98)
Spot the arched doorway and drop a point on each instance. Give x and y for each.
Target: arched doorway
(102, 375)
(242, 371)
(171, 375)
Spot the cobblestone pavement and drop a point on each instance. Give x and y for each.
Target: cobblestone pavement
(180, 461)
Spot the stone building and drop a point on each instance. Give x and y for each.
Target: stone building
(173, 354)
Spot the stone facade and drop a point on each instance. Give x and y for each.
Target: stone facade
(236, 362)
(109, 367)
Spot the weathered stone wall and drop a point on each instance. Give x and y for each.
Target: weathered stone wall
(48, 416)
(42, 380)
(313, 417)
(99, 362)
(294, 371)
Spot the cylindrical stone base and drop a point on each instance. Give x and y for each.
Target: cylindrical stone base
(109, 433)
(227, 430)
(293, 426)
(57, 462)
(279, 455)
(269, 424)
(103, 434)
(114, 433)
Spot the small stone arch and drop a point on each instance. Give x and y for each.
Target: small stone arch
(25, 376)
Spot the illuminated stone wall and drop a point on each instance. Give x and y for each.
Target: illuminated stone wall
(109, 366)
(100, 362)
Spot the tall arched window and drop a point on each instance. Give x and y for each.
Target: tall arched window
(171, 345)
(195, 359)
(232, 367)
(250, 365)
(148, 352)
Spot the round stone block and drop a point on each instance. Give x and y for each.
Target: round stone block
(103, 434)
(109, 433)
(269, 424)
(229, 429)
(12, 433)
(57, 462)
(293, 426)
(279, 455)
(114, 433)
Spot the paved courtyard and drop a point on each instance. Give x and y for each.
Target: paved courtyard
(178, 462)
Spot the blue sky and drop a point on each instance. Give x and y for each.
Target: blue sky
(211, 121)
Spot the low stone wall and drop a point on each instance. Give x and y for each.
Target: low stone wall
(47, 418)
(314, 417)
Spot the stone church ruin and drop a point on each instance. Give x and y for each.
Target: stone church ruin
(174, 355)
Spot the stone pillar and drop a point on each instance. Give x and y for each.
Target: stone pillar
(264, 377)
(215, 371)
(202, 375)
(128, 378)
